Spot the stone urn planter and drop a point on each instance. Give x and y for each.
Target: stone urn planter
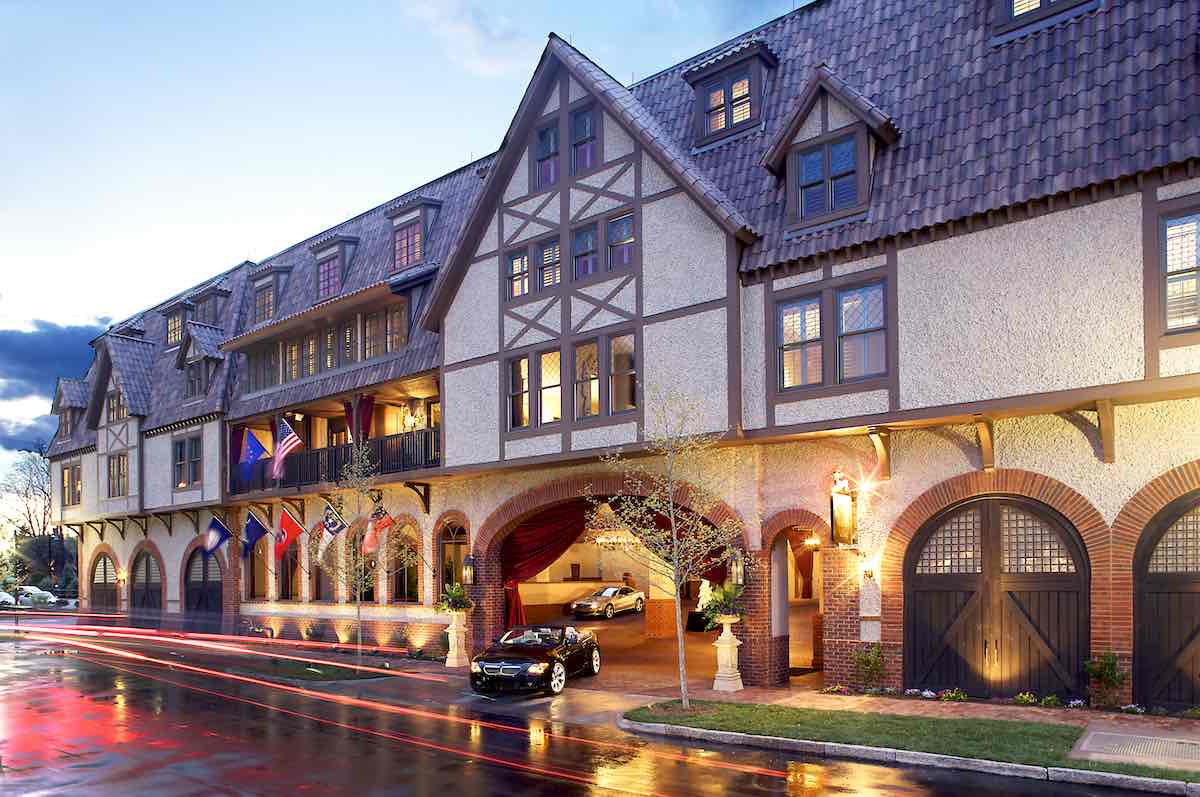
(457, 642)
(729, 678)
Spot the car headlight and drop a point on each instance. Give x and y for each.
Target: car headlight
(475, 667)
(539, 668)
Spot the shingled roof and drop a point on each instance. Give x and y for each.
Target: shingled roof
(205, 339)
(70, 393)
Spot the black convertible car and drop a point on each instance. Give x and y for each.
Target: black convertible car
(532, 658)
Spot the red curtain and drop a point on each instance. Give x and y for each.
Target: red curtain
(366, 412)
(533, 546)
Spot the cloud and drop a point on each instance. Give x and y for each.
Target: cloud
(480, 42)
(31, 360)
(17, 434)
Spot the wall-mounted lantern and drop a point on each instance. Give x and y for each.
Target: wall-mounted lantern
(737, 568)
(468, 570)
(842, 518)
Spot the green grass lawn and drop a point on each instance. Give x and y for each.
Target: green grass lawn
(1044, 744)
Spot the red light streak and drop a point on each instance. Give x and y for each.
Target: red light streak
(414, 712)
(560, 774)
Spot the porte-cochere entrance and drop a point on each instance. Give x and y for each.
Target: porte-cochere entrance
(996, 601)
(1166, 654)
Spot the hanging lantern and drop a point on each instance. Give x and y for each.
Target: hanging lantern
(737, 568)
(842, 518)
(468, 570)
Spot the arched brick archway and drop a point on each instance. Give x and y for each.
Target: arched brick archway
(147, 545)
(1076, 509)
(1127, 529)
(85, 578)
(229, 582)
(450, 517)
(487, 619)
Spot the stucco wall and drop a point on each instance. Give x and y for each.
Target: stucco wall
(1047, 304)
(533, 446)
(1179, 360)
(471, 323)
(518, 185)
(604, 436)
(159, 473)
(470, 414)
(850, 405)
(655, 179)
(683, 255)
(688, 355)
(617, 142)
(755, 366)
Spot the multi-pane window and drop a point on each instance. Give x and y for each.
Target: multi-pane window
(264, 303)
(194, 382)
(727, 103)
(584, 251)
(550, 386)
(518, 274)
(1022, 8)
(800, 343)
(583, 140)
(72, 485)
(397, 326)
(1178, 550)
(518, 393)
(373, 340)
(549, 263)
(955, 547)
(408, 245)
(406, 585)
(288, 572)
(310, 355)
(622, 373)
(117, 410)
(862, 339)
(1181, 264)
(174, 328)
(827, 178)
(546, 148)
(263, 368)
(291, 367)
(66, 423)
(118, 475)
(330, 348)
(206, 311)
(329, 277)
(187, 461)
(587, 380)
(620, 241)
(349, 342)
(454, 549)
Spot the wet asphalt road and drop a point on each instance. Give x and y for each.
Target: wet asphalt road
(90, 723)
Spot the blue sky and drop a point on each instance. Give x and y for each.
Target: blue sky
(147, 147)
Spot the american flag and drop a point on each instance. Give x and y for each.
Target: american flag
(288, 441)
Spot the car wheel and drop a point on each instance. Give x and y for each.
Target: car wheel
(594, 664)
(609, 611)
(639, 605)
(558, 678)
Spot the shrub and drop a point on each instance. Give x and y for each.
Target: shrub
(454, 598)
(868, 665)
(727, 601)
(1192, 713)
(1051, 701)
(954, 695)
(1026, 699)
(1106, 677)
(1132, 708)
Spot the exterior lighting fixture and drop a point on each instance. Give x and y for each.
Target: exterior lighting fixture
(468, 570)
(812, 541)
(121, 575)
(842, 510)
(737, 568)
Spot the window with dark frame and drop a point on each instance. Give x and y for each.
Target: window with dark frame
(66, 423)
(409, 244)
(550, 387)
(188, 468)
(453, 550)
(264, 303)
(827, 178)
(310, 355)
(206, 311)
(1181, 272)
(583, 140)
(331, 347)
(174, 328)
(799, 342)
(518, 393)
(263, 368)
(288, 575)
(118, 475)
(291, 368)
(194, 380)
(373, 340)
(72, 485)
(406, 585)
(116, 407)
(620, 242)
(587, 380)
(622, 373)
(862, 334)
(397, 326)
(547, 155)
(518, 274)
(727, 102)
(583, 248)
(549, 264)
(350, 342)
(256, 581)
(328, 277)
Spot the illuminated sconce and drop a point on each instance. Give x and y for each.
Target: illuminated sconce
(122, 576)
(298, 416)
(842, 510)
(737, 568)
(468, 570)
(812, 542)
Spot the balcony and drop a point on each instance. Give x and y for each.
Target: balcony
(395, 453)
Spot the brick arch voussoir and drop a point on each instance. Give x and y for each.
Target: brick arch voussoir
(1076, 509)
(148, 546)
(791, 518)
(1145, 504)
(102, 548)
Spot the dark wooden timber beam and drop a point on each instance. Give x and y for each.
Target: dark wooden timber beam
(1106, 419)
(882, 440)
(987, 453)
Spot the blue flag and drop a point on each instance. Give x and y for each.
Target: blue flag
(253, 532)
(215, 537)
(252, 451)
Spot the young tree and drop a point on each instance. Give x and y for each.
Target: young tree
(659, 513)
(25, 494)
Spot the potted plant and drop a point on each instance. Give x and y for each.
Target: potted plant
(724, 608)
(455, 602)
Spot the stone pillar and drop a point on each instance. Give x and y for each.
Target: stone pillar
(760, 660)
(728, 678)
(458, 655)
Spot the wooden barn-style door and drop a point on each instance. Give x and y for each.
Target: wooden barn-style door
(103, 591)
(202, 593)
(1166, 653)
(145, 591)
(996, 601)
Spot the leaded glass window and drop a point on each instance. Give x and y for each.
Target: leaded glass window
(1179, 549)
(955, 547)
(1181, 264)
(1029, 544)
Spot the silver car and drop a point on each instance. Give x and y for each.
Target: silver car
(607, 601)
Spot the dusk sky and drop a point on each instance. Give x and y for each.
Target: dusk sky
(147, 147)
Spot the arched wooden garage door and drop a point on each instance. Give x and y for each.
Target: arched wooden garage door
(1166, 655)
(202, 593)
(145, 590)
(103, 592)
(996, 601)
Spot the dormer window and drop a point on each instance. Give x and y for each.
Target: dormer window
(196, 382)
(828, 178)
(329, 277)
(409, 245)
(116, 409)
(729, 89)
(66, 423)
(583, 140)
(264, 302)
(1013, 14)
(175, 328)
(728, 103)
(546, 151)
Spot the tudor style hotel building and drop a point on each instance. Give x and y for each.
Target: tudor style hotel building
(949, 249)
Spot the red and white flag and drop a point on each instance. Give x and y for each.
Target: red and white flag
(288, 532)
(380, 522)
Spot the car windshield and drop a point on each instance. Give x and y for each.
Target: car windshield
(543, 635)
(607, 592)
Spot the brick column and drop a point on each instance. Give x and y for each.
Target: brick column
(756, 655)
(840, 623)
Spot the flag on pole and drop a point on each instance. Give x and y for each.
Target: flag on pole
(286, 441)
(253, 532)
(289, 531)
(379, 522)
(215, 537)
(332, 525)
(252, 451)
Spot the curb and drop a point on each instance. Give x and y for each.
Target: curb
(890, 755)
